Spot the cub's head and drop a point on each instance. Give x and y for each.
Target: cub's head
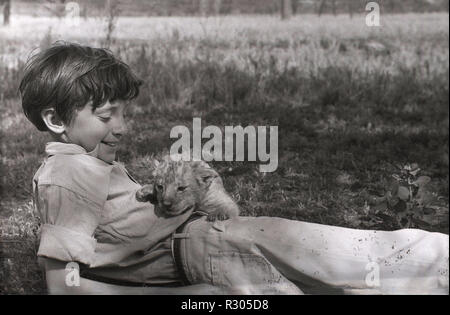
(178, 186)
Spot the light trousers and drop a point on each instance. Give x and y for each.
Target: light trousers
(267, 255)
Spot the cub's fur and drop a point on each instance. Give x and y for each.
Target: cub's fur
(180, 186)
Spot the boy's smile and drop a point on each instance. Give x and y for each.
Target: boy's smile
(100, 129)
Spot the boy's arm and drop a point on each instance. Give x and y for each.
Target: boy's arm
(56, 284)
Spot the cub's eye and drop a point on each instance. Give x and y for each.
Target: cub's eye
(182, 188)
(159, 187)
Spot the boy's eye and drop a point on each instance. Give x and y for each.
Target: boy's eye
(104, 119)
(182, 188)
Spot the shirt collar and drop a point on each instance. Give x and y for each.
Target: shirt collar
(54, 148)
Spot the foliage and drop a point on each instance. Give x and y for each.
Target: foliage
(410, 201)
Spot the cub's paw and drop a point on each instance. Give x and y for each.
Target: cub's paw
(146, 194)
(220, 215)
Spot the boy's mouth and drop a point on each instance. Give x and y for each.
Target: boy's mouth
(111, 144)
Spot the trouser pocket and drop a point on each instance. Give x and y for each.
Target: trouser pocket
(248, 273)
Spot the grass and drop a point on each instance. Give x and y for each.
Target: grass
(351, 103)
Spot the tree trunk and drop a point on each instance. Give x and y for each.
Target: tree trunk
(321, 7)
(6, 12)
(203, 7)
(235, 7)
(295, 7)
(217, 6)
(392, 6)
(350, 8)
(286, 9)
(333, 6)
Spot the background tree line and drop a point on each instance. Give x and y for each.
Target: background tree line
(286, 8)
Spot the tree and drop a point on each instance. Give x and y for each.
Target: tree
(286, 9)
(350, 8)
(112, 14)
(217, 6)
(323, 4)
(203, 4)
(58, 9)
(6, 12)
(321, 7)
(295, 6)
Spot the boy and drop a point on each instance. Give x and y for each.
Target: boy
(90, 214)
(79, 95)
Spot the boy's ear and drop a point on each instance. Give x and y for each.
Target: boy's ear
(52, 121)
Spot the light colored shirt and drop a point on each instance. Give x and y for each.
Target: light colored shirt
(90, 215)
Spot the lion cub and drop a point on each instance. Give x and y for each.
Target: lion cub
(180, 186)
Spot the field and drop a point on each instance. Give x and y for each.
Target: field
(359, 109)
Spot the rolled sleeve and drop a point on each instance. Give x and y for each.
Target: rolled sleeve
(63, 244)
(69, 221)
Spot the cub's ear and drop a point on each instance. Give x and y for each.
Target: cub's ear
(154, 166)
(203, 173)
(146, 194)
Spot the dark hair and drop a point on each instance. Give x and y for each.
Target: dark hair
(67, 76)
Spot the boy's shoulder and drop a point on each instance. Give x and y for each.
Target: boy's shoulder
(82, 174)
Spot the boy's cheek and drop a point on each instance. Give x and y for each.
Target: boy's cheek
(91, 145)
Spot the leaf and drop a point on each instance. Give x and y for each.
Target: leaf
(404, 221)
(344, 179)
(403, 193)
(436, 219)
(422, 181)
(414, 166)
(379, 208)
(414, 172)
(393, 201)
(424, 197)
(394, 188)
(374, 200)
(427, 211)
(401, 206)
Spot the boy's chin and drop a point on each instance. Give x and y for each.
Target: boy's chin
(106, 154)
(107, 159)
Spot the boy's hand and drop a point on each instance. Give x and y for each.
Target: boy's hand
(220, 215)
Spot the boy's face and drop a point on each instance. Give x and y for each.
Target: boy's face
(103, 127)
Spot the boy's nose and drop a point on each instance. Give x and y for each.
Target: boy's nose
(120, 129)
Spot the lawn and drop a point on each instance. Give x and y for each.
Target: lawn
(359, 111)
